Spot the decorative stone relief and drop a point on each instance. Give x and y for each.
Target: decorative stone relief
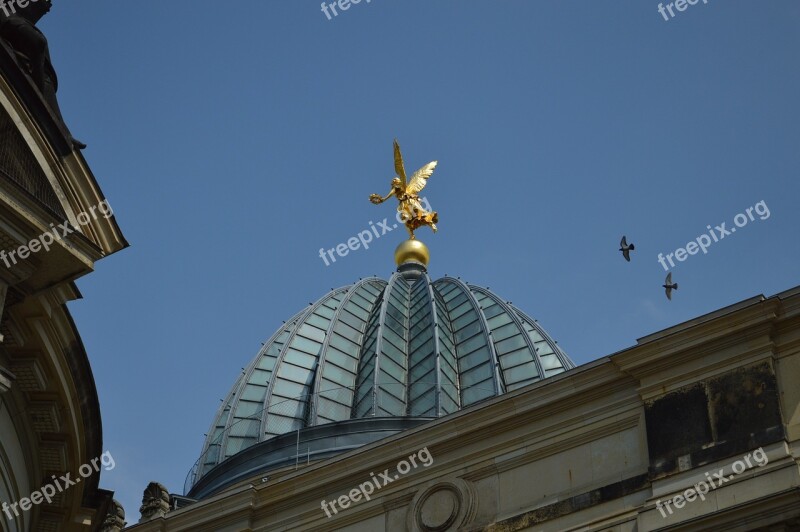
(115, 520)
(155, 502)
(442, 505)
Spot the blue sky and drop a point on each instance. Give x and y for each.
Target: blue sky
(235, 142)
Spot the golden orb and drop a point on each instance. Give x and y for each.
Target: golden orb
(412, 251)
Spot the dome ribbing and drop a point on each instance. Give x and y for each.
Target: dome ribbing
(406, 347)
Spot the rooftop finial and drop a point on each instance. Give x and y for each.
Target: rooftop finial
(412, 213)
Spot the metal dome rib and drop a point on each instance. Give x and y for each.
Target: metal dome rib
(408, 347)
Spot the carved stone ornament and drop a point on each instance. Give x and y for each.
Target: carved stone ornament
(155, 502)
(442, 505)
(18, 29)
(115, 519)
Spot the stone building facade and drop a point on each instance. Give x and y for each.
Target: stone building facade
(696, 427)
(54, 225)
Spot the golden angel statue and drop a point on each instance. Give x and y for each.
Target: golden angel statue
(407, 193)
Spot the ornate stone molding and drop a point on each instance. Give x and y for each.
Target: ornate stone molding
(115, 519)
(155, 502)
(448, 504)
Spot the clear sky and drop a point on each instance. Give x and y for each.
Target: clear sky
(236, 139)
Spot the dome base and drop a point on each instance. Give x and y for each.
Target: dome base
(315, 443)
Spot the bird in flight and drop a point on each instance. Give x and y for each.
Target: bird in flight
(626, 248)
(669, 286)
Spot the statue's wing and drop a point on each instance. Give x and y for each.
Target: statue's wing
(398, 164)
(420, 178)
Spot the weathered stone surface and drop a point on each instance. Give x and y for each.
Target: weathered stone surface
(720, 417)
(592, 449)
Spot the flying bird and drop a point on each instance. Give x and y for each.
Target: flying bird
(625, 248)
(669, 286)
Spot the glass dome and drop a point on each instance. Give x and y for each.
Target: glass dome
(408, 347)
